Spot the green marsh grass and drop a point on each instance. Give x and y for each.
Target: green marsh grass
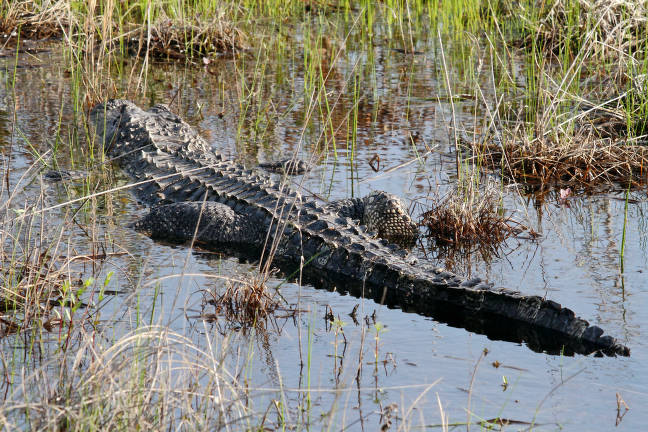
(546, 133)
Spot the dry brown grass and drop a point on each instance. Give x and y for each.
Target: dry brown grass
(175, 40)
(581, 159)
(40, 281)
(150, 379)
(614, 28)
(36, 21)
(470, 216)
(43, 277)
(31, 285)
(246, 302)
(33, 276)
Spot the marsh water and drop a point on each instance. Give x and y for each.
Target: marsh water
(402, 112)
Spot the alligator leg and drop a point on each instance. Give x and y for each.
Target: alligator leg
(381, 212)
(217, 224)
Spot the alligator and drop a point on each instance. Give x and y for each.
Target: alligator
(196, 194)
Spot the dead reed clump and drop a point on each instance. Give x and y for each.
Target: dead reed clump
(36, 20)
(611, 27)
(176, 40)
(247, 302)
(470, 216)
(580, 159)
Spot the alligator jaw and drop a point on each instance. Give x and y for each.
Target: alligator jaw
(171, 163)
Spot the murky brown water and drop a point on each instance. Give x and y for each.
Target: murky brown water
(575, 262)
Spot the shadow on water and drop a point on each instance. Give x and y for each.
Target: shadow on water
(495, 327)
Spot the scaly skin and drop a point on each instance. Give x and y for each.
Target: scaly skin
(175, 170)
